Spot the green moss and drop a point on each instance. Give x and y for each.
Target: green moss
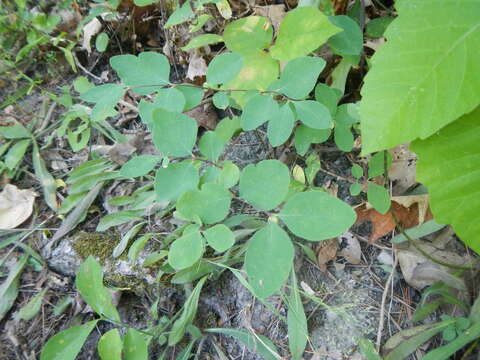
(96, 244)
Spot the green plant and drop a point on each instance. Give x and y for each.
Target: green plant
(430, 97)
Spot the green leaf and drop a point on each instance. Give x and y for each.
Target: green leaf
(202, 40)
(304, 136)
(211, 204)
(105, 98)
(174, 180)
(193, 96)
(316, 215)
(227, 128)
(258, 110)
(16, 153)
(448, 167)
(17, 131)
(268, 260)
(118, 218)
(101, 42)
(137, 247)
(350, 40)
(221, 100)
(199, 22)
(144, 3)
(229, 175)
(146, 73)
(67, 344)
(9, 287)
(378, 197)
(219, 237)
(357, 171)
(211, 145)
(135, 345)
(110, 345)
(280, 128)
(313, 167)
(313, 114)
(224, 68)
(186, 250)
(139, 166)
(154, 257)
(122, 245)
(258, 72)
(432, 59)
(248, 35)
(265, 184)
(89, 282)
(403, 343)
(355, 189)
(28, 311)
(170, 99)
(302, 31)
(257, 343)
(46, 179)
(180, 15)
(376, 164)
(187, 316)
(376, 27)
(297, 322)
(174, 134)
(328, 96)
(299, 77)
(417, 232)
(368, 350)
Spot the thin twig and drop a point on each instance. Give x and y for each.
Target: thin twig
(382, 306)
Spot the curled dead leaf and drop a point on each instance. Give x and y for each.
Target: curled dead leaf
(275, 13)
(326, 251)
(403, 169)
(352, 252)
(16, 206)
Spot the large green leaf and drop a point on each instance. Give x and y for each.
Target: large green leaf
(110, 345)
(259, 109)
(174, 180)
(316, 215)
(265, 184)
(280, 127)
(248, 35)
(425, 76)
(257, 73)
(136, 345)
(268, 260)
(145, 73)
(302, 31)
(186, 250)
(224, 68)
(449, 166)
(174, 134)
(210, 204)
(89, 283)
(67, 344)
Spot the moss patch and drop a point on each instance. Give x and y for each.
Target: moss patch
(96, 244)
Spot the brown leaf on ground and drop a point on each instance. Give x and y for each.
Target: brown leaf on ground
(406, 210)
(352, 252)
(197, 67)
(205, 116)
(403, 169)
(16, 206)
(326, 251)
(275, 13)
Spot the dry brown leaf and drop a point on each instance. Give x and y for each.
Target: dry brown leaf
(382, 224)
(326, 251)
(420, 200)
(91, 29)
(403, 169)
(352, 252)
(273, 12)
(16, 206)
(197, 67)
(420, 272)
(205, 115)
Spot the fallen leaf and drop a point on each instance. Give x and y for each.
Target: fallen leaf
(326, 251)
(197, 67)
(403, 169)
(91, 29)
(420, 272)
(420, 200)
(408, 217)
(205, 115)
(352, 252)
(16, 206)
(275, 13)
